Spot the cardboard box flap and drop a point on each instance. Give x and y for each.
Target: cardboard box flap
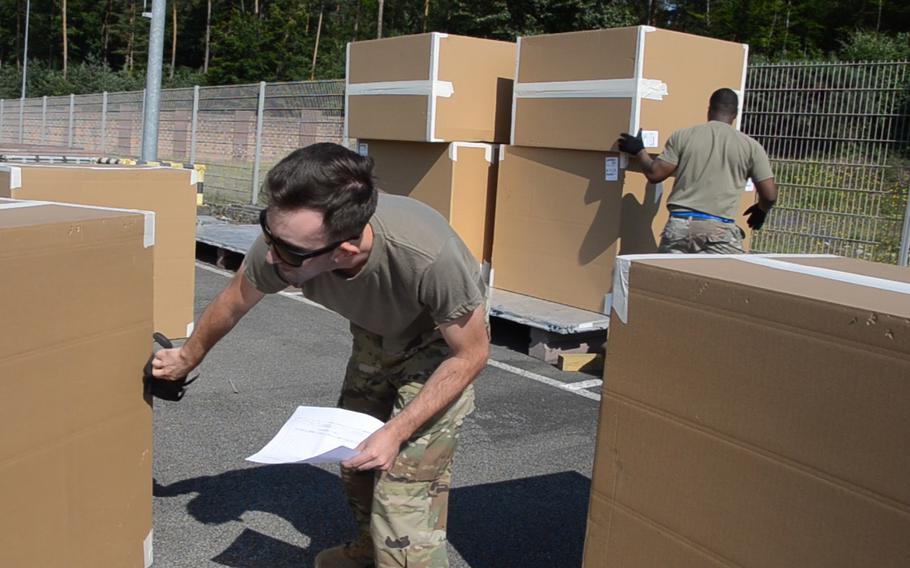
(387, 60)
(792, 288)
(568, 56)
(47, 211)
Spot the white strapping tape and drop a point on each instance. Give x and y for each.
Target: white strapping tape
(347, 81)
(487, 150)
(15, 175)
(148, 237)
(652, 89)
(514, 98)
(620, 293)
(435, 48)
(830, 274)
(422, 87)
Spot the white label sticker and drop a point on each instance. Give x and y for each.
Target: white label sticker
(363, 149)
(750, 186)
(611, 169)
(651, 138)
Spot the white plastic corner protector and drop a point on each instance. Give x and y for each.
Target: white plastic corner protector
(487, 150)
(15, 175)
(147, 553)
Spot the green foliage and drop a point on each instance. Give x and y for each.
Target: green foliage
(110, 37)
(875, 46)
(87, 77)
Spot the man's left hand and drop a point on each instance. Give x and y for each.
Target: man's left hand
(376, 452)
(756, 216)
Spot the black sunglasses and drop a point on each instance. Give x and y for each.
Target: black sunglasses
(289, 254)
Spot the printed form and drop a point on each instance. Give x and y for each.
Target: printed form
(315, 434)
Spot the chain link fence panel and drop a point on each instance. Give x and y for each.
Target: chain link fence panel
(837, 135)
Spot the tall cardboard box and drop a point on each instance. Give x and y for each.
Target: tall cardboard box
(75, 454)
(457, 179)
(429, 88)
(562, 216)
(580, 90)
(170, 193)
(755, 412)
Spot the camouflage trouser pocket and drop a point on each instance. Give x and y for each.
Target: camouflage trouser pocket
(693, 236)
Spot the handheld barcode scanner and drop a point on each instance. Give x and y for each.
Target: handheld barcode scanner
(163, 388)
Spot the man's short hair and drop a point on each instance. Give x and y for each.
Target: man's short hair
(724, 102)
(328, 178)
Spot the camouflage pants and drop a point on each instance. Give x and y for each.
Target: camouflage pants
(692, 236)
(402, 512)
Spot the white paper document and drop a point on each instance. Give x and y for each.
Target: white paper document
(315, 434)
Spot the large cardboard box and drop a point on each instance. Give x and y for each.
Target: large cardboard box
(580, 90)
(755, 412)
(562, 216)
(75, 454)
(457, 179)
(429, 88)
(170, 193)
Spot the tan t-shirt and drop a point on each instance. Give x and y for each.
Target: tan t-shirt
(714, 162)
(419, 274)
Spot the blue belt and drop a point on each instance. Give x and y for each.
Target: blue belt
(699, 215)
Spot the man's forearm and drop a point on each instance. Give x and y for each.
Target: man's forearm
(443, 387)
(216, 321)
(767, 194)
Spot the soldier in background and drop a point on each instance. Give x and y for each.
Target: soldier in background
(713, 163)
(417, 306)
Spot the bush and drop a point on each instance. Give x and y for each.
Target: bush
(87, 77)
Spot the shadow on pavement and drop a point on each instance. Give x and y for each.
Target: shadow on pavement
(535, 522)
(531, 522)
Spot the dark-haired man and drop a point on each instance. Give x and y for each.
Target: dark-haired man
(712, 162)
(417, 305)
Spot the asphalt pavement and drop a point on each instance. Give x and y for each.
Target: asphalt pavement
(521, 475)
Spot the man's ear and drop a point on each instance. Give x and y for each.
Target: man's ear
(348, 248)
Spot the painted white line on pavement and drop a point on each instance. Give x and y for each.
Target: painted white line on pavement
(296, 296)
(574, 388)
(542, 379)
(584, 384)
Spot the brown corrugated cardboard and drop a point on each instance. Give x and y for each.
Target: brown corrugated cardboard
(456, 179)
(579, 90)
(75, 457)
(429, 88)
(756, 412)
(170, 193)
(557, 209)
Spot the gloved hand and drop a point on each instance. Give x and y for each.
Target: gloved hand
(163, 388)
(631, 144)
(757, 217)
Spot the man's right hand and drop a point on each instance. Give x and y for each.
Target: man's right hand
(631, 144)
(171, 364)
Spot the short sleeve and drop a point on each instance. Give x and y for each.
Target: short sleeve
(671, 150)
(761, 165)
(261, 274)
(452, 286)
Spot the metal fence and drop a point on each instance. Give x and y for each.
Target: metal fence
(838, 135)
(237, 131)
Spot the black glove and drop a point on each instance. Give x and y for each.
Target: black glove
(631, 144)
(163, 388)
(757, 217)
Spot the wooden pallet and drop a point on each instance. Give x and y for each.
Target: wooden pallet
(552, 329)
